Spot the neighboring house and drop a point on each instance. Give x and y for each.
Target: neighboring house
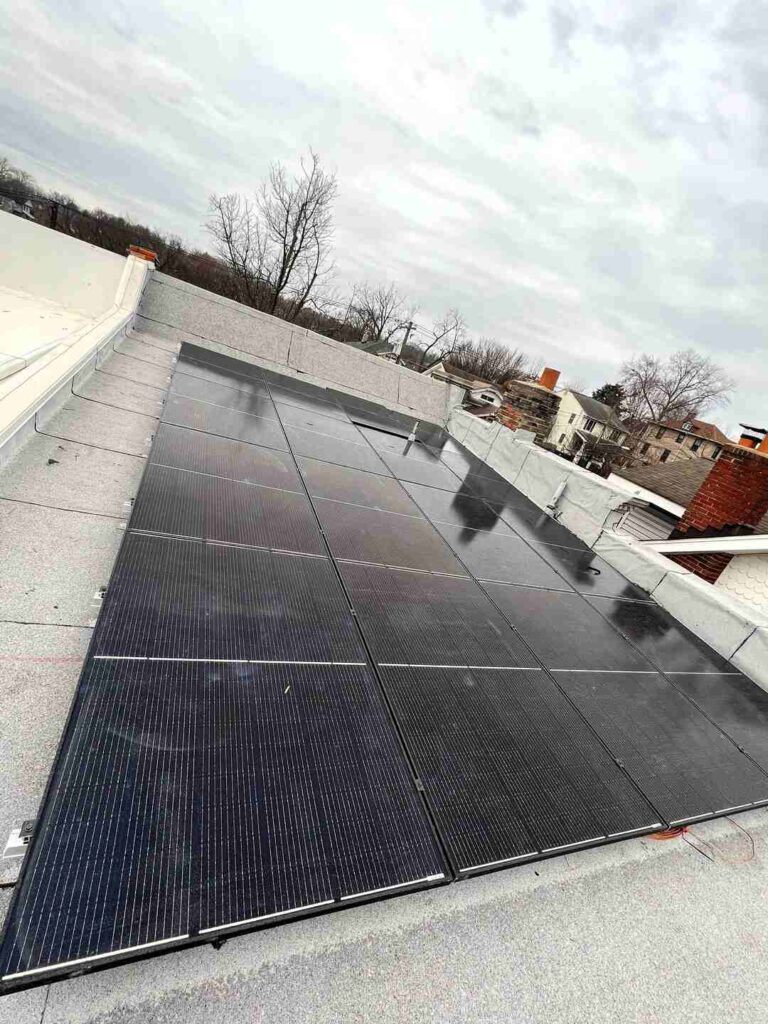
(587, 429)
(17, 207)
(675, 440)
(668, 489)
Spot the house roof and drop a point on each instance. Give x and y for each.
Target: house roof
(599, 411)
(698, 428)
(676, 481)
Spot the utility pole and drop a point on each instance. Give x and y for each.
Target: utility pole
(404, 342)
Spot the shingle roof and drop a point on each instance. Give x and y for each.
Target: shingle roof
(599, 411)
(698, 427)
(676, 481)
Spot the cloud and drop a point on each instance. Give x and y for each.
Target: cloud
(585, 180)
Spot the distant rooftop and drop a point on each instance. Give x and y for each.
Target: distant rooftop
(599, 411)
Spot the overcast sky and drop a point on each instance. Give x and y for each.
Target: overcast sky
(583, 180)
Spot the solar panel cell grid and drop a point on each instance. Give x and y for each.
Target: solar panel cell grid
(214, 419)
(340, 483)
(180, 448)
(416, 618)
(386, 538)
(684, 764)
(510, 766)
(172, 598)
(225, 793)
(253, 398)
(190, 505)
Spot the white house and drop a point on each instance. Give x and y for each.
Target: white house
(586, 428)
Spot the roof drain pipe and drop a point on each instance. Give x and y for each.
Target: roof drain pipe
(551, 507)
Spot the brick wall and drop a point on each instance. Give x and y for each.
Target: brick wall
(528, 406)
(732, 500)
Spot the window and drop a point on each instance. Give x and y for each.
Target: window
(696, 444)
(660, 433)
(614, 435)
(561, 439)
(714, 453)
(644, 449)
(680, 438)
(590, 424)
(664, 455)
(572, 417)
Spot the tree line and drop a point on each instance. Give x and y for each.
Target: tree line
(273, 251)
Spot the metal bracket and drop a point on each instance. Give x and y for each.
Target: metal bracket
(19, 840)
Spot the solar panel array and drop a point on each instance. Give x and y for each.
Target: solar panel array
(335, 664)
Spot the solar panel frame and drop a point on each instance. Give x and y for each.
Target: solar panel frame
(203, 919)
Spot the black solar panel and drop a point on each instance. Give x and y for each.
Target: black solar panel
(510, 769)
(501, 557)
(419, 471)
(190, 505)
(213, 419)
(738, 706)
(415, 618)
(683, 763)
(565, 631)
(217, 373)
(588, 573)
(387, 538)
(536, 526)
(193, 798)
(459, 508)
(195, 452)
(327, 426)
(307, 402)
(331, 449)
(252, 398)
(670, 646)
(340, 483)
(171, 598)
(235, 366)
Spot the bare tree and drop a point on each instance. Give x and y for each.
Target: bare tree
(14, 177)
(489, 360)
(278, 245)
(448, 333)
(681, 387)
(240, 242)
(379, 312)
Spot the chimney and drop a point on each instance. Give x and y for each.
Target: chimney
(731, 501)
(549, 378)
(752, 437)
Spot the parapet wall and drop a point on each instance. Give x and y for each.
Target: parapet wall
(52, 266)
(185, 312)
(587, 505)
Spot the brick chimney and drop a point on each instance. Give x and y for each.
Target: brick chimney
(731, 501)
(549, 378)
